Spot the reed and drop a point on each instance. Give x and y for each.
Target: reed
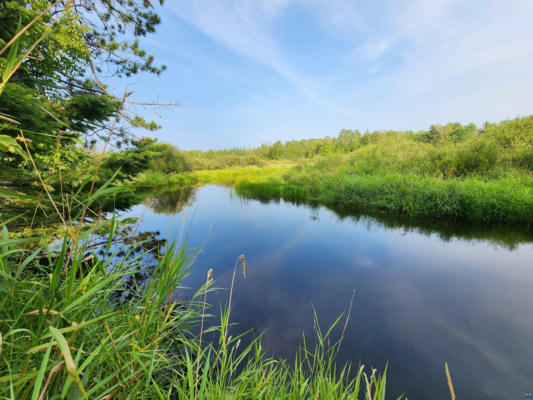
(472, 198)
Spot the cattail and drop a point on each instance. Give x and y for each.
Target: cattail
(243, 261)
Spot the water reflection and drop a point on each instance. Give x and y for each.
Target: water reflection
(169, 202)
(426, 291)
(508, 235)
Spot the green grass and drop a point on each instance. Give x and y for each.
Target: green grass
(503, 199)
(227, 176)
(468, 198)
(450, 171)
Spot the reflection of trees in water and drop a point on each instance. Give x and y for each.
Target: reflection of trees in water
(501, 234)
(169, 202)
(508, 235)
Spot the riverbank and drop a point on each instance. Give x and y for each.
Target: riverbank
(226, 176)
(470, 198)
(506, 199)
(451, 171)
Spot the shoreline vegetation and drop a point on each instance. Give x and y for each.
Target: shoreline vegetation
(452, 171)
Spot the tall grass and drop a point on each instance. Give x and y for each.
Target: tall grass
(468, 198)
(505, 199)
(66, 325)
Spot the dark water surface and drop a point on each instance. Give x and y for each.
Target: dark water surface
(426, 292)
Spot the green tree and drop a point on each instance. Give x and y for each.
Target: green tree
(168, 159)
(51, 95)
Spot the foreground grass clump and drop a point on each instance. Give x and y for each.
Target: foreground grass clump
(66, 333)
(89, 328)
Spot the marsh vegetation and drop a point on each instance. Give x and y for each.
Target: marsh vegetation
(452, 171)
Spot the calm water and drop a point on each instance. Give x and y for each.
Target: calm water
(426, 293)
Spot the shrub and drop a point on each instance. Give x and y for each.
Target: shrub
(169, 159)
(477, 156)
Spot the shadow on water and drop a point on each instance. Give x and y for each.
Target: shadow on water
(169, 202)
(508, 235)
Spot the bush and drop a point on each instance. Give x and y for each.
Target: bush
(477, 156)
(168, 159)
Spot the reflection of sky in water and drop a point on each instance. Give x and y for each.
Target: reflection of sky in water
(419, 300)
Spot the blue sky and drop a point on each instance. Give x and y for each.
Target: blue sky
(255, 71)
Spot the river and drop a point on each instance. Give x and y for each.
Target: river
(426, 292)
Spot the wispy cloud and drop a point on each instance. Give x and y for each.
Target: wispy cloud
(406, 64)
(244, 27)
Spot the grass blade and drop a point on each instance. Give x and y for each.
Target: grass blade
(69, 362)
(40, 376)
